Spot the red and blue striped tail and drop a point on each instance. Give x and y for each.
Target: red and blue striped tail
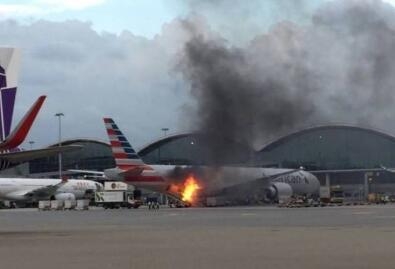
(125, 156)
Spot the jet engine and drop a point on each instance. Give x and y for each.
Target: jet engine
(277, 191)
(64, 196)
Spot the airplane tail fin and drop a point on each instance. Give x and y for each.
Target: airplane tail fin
(125, 156)
(9, 70)
(16, 137)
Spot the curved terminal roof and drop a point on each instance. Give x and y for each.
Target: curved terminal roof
(285, 138)
(161, 141)
(194, 148)
(331, 147)
(95, 155)
(80, 141)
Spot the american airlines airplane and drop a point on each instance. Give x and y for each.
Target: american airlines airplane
(180, 181)
(35, 189)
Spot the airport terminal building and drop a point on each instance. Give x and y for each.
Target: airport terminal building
(343, 155)
(94, 155)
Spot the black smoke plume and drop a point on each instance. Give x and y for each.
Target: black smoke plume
(339, 68)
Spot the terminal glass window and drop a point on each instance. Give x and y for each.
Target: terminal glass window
(331, 148)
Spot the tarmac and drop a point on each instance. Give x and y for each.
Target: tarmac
(229, 237)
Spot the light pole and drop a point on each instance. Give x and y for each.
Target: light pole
(165, 130)
(31, 144)
(164, 134)
(60, 115)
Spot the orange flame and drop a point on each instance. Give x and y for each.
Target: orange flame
(190, 188)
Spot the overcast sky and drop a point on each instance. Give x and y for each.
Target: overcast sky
(117, 58)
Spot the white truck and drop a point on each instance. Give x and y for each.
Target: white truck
(117, 199)
(117, 195)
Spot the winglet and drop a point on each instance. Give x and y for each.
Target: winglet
(18, 135)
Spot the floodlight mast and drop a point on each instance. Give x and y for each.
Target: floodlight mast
(60, 115)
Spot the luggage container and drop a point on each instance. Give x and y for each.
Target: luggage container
(70, 204)
(57, 204)
(44, 205)
(82, 205)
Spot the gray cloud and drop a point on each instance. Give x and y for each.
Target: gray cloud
(87, 75)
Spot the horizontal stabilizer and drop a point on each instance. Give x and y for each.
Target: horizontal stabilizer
(135, 171)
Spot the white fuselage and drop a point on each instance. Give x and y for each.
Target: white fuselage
(15, 189)
(215, 179)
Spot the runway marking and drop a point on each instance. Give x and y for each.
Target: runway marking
(248, 214)
(363, 213)
(19, 210)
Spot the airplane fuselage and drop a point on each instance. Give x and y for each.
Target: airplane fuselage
(215, 179)
(14, 189)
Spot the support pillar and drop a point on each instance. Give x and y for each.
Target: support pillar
(327, 180)
(366, 185)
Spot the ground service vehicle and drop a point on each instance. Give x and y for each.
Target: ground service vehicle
(337, 194)
(325, 194)
(118, 199)
(378, 198)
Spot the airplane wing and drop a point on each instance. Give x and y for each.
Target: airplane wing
(24, 156)
(46, 191)
(91, 175)
(16, 137)
(382, 168)
(92, 172)
(391, 170)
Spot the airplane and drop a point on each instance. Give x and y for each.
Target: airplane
(10, 154)
(183, 182)
(35, 189)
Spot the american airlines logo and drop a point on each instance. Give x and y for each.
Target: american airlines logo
(293, 179)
